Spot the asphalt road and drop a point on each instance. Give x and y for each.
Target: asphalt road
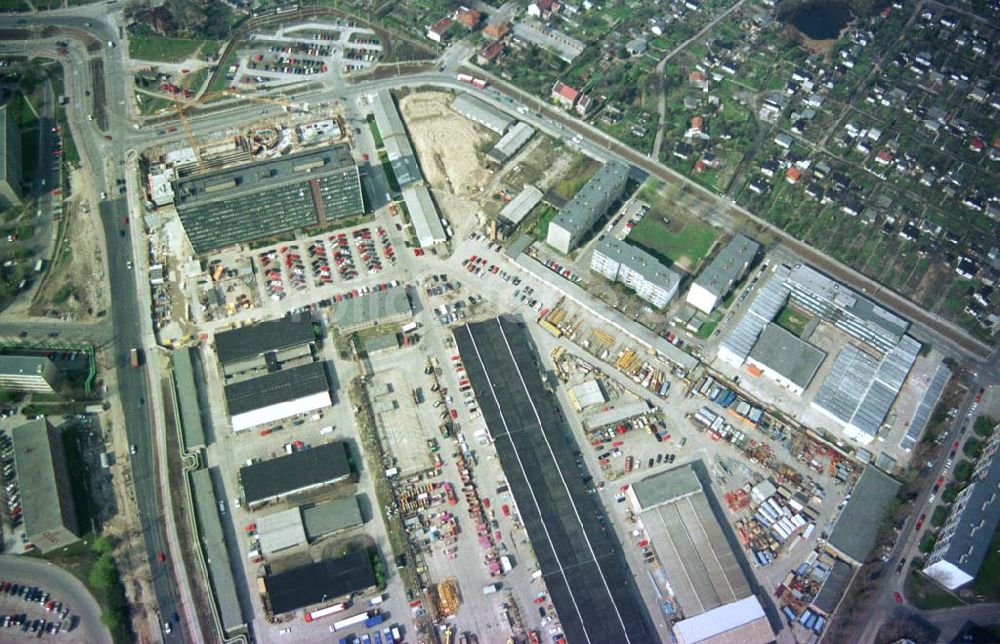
(126, 314)
(61, 586)
(102, 158)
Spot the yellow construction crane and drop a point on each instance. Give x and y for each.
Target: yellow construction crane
(190, 134)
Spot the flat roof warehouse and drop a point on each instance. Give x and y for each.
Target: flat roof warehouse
(247, 342)
(584, 569)
(233, 205)
(295, 473)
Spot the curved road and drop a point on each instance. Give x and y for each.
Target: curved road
(62, 586)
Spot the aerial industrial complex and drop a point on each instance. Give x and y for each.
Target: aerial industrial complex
(410, 332)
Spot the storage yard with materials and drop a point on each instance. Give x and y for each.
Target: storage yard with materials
(413, 424)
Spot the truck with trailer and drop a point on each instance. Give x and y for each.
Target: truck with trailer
(325, 612)
(134, 358)
(353, 620)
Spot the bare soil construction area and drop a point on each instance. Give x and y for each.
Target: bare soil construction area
(75, 284)
(446, 143)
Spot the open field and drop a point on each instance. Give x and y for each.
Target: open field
(167, 50)
(680, 239)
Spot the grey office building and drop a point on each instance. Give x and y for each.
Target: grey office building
(50, 519)
(719, 277)
(10, 160)
(235, 205)
(29, 373)
(578, 217)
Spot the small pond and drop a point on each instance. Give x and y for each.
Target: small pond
(820, 20)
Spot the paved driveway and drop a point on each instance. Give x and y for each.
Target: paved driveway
(61, 586)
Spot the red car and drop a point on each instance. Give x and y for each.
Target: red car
(898, 598)
(920, 522)
(161, 557)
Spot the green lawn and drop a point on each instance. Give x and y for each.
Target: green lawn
(793, 320)
(926, 594)
(168, 50)
(680, 239)
(545, 214)
(988, 580)
(13, 5)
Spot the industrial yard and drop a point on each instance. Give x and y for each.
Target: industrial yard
(443, 375)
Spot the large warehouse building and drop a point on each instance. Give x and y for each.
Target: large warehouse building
(719, 277)
(844, 308)
(258, 347)
(402, 159)
(853, 535)
(702, 568)
(622, 262)
(786, 359)
(223, 207)
(295, 473)
(50, 520)
(286, 529)
(735, 348)
(278, 395)
(587, 206)
(964, 540)
(511, 142)
(481, 112)
(593, 592)
(859, 390)
(329, 581)
(378, 307)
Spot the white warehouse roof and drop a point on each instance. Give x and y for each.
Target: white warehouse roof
(522, 204)
(740, 621)
(472, 108)
(424, 215)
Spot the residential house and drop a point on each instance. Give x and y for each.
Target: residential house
(491, 52)
(468, 18)
(584, 105)
(565, 95)
(497, 30)
(437, 30)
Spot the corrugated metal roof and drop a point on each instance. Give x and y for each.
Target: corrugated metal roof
(192, 428)
(859, 522)
(280, 530)
(522, 204)
(331, 517)
(481, 112)
(766, 304)
(424, 215)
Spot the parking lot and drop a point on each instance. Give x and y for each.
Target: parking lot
(304, 52)
(321, 262)
(40, 600)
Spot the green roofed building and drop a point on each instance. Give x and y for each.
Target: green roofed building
(235, 205)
